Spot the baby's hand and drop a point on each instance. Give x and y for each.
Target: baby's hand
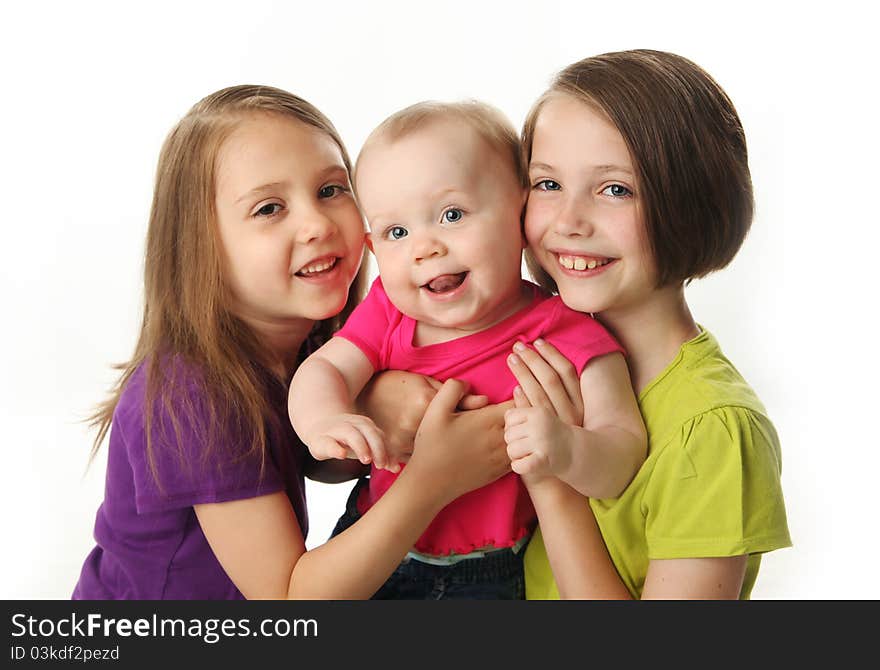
(349, 436)
(538, 441)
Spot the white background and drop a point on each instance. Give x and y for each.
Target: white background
(90, 90)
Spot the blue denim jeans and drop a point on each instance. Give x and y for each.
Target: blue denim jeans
(496, 576)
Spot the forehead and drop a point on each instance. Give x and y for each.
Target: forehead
(441, 150)
(569, 127)
(267, 146)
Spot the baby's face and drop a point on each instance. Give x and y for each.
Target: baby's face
(444, 213)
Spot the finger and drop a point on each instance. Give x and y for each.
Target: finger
(446, 400)
(518, 448)
(352, 438)
(515, 417)
(563, 367)
(433, 383)
(554, 388)
(526, 379)
(526, 465)
(519, 398)
(326, 448)
(375, 439)
(471, 401)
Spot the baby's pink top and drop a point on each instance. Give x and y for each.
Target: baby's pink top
(501, 513)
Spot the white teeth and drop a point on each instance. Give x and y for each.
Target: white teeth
(580, 263)
(318, 267)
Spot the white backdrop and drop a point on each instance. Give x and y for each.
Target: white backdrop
(90, 90)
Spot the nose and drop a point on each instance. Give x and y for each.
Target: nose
(573, 218)
(313, 225)
(426, 245)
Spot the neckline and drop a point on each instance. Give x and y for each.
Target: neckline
(472, 339)
(683, 351)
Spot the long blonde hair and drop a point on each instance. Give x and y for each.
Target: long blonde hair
(186, 303)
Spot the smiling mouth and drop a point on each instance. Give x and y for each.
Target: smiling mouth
(317, 268)
(580, 263)
(445, 283)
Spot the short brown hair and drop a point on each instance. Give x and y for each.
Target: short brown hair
(487, 121)
(688, 150)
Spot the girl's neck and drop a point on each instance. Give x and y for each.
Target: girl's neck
(282, 340)
(652, 332)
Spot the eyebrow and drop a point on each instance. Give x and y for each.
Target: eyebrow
(261, 189)
(271, 186)
(597, 168)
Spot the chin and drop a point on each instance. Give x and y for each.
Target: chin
(579, 302)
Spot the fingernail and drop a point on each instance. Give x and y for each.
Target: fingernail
(513, 359)
(517, 390)
(519, 346)
(539, 342)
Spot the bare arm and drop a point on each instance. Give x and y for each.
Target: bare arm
(581, 565)
(260, 545)
(598, 458)
(321, 405)
(396, 402)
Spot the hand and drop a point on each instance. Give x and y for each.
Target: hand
(538, 441)
(349, 436)
(459, 452)
(396, 401)
(548, 380)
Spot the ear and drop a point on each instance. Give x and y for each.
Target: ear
(368, 240)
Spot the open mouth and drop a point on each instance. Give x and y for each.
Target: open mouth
(318, 267)
(445, 283)
(581, 263)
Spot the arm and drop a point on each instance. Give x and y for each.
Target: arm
(578, 558)
(321, 405)
(396, 402)
(598, 458)
(581, 565)
(260, 546)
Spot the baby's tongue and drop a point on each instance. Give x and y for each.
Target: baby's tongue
(445, 283)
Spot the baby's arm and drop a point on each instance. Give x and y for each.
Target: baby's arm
(597, 458)
(321, 405)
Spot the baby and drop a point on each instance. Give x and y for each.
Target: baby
(443, 189)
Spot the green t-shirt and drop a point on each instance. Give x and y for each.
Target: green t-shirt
(709, 487)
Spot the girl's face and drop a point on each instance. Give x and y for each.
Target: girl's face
(291, 234)
(582, 217)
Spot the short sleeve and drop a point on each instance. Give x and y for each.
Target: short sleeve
(184, 472)
(369, 324)
(715, 490)
(578, 336)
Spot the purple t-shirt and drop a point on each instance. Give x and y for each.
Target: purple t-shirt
(149, 542)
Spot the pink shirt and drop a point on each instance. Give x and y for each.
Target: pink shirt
(500, 514)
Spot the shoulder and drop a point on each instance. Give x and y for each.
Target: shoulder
(375, 307)
(715, 489)
(574, 333)
(173, 393)
(699, 380)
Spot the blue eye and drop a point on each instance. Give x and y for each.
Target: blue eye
(452, 215)
(548, 185)
(269, 209)
(617, 191)
(396, 233)
(330, 190)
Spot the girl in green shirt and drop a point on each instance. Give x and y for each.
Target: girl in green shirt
(639, 183)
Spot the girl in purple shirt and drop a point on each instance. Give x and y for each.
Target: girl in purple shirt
(253, 245)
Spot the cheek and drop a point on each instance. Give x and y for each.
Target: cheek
(537, 214)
